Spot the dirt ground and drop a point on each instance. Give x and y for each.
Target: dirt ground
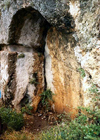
(40, 121)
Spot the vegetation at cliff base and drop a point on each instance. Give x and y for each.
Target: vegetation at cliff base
(11, 118)
(27, 109)
(46, 98)
(86, 126)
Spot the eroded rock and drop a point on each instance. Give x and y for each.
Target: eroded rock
(24, 76)
(25, 79)
(62, 73)
(71, 43)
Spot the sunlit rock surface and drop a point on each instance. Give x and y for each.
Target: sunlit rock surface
(57, 38)
(62, 73)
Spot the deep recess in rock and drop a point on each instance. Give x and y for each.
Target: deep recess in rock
(28, 28)
(17, 33)
(27, 33)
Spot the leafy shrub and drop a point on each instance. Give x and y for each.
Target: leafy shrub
(94, 91)
(85, 127)
(27, 109)
(82, 72)
(46, 98)
(11, 118)
(92, 115)
(63, 117)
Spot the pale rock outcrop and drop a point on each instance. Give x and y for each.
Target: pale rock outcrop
(62, 73)
(72, 42)
(8, 83)
(90, 62)
(87, 50)
(26, 40)
(22, 76)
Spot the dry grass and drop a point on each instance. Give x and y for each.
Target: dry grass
(14, 135)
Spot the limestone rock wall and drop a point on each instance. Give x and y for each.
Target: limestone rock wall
(71, 44)
(22, 77)
(87, 50)
(62, 73)
(22, 74)
(8, 66)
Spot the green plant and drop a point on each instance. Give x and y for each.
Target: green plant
(86, 126)
(93, 115)
(33, 81)
(63, 117)
(27, 109)
(94, 89)
(81, 128)
(82, 72)
(11, 118)
(46, 98)
(22, 55)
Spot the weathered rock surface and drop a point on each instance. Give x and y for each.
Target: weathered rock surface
(27, 32)
(62, 73)
(72, 42)
(22, 76)
(90, 62)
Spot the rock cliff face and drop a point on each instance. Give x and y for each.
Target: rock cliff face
(50, 44)
(64, 75)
